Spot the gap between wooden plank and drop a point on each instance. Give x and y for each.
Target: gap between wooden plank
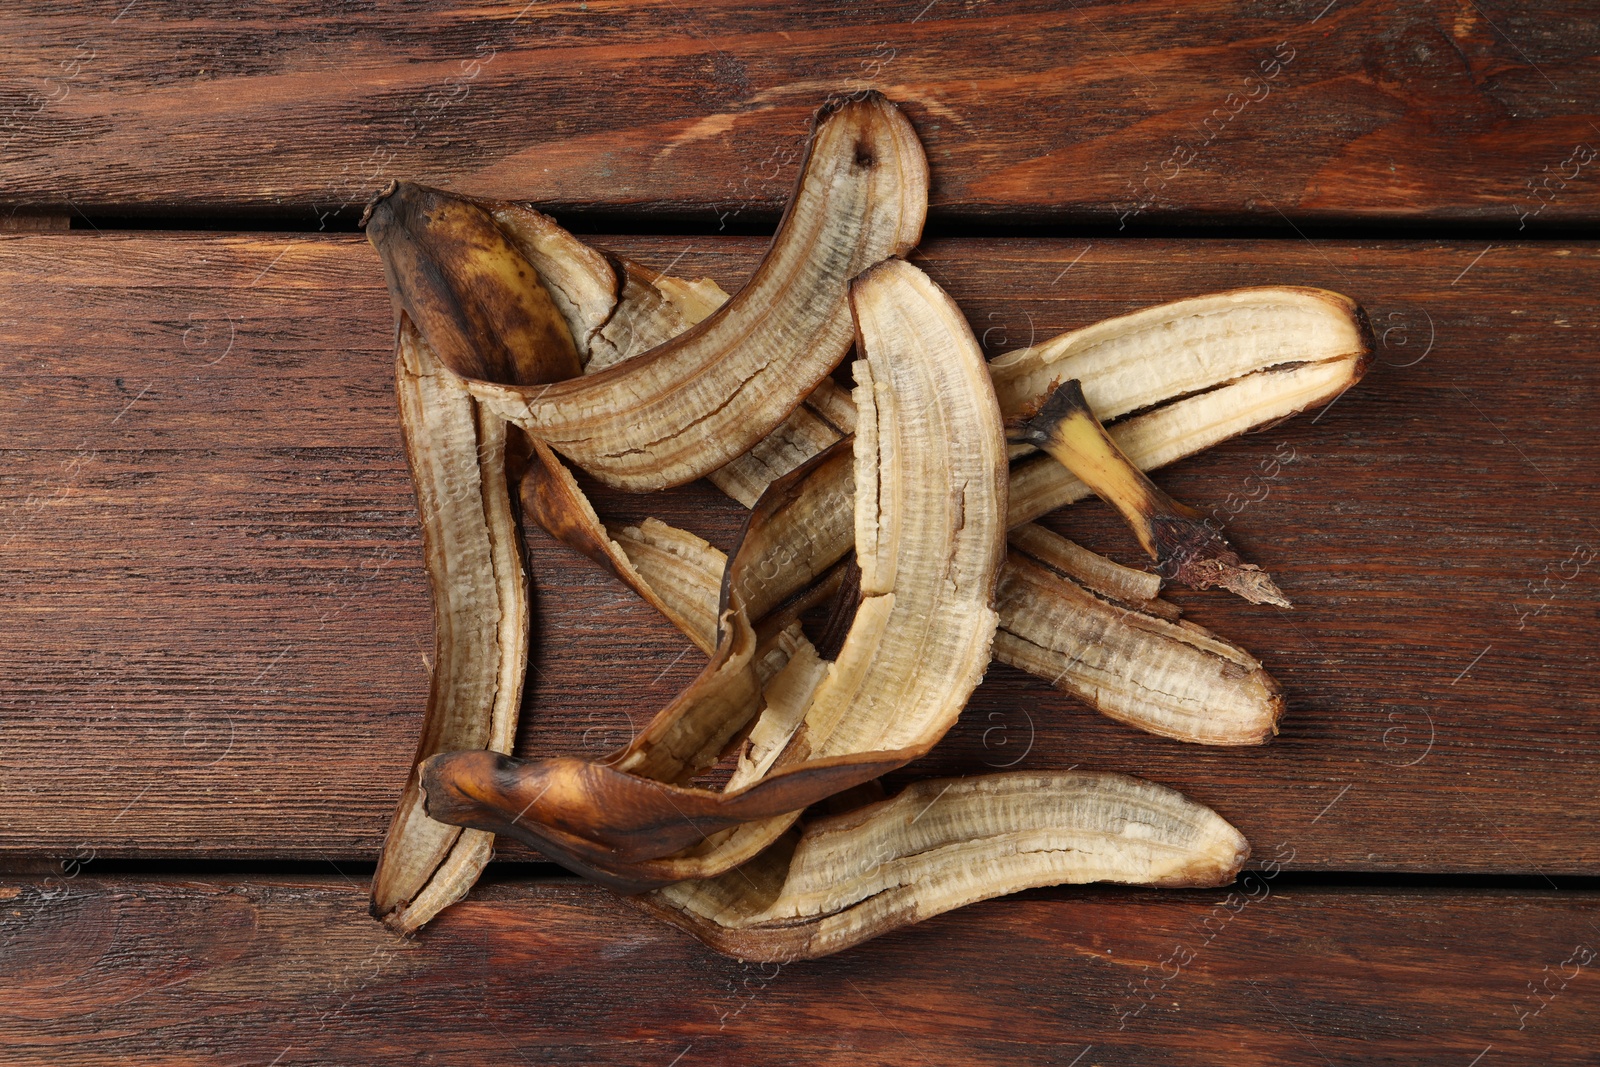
(517, 872)
(760, 224)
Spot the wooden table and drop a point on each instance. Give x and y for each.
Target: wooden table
(216, 629)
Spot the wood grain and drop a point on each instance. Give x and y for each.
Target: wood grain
(1131, 112)
(293, 972)
(216, 626)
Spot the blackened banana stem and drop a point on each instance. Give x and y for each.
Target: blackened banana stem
(1186, 547)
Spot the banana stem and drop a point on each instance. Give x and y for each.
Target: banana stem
(1187, 547)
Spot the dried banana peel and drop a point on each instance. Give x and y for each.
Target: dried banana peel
(1073, 618)
(691, 404)
(930, 503)
(1184, 545)
(1134, 362)
(452, 270)
(939, 845)
(1135, 588)
(930, 456)
(473, 297)
(481, 621)
(648, 381)
(519, 300)
(1090, 634)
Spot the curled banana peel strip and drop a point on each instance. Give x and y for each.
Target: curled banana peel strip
(1150, 357)
(1093, 632)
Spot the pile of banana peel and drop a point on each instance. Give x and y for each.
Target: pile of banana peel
(890, 551)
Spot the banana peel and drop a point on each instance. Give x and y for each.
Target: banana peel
(944, 843)
(691, 404)
(1067, 617)
(462, 463)
(810, 721)
(929, 455)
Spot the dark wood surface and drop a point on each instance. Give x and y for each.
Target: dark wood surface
(1312, 110)
(215, 603)
(291, 972)
(214, 629)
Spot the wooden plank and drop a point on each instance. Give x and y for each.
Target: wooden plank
(25, 222)
(216, 627)
(293, 972)
(1038, 110)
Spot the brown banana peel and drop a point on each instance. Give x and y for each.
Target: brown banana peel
(1153, 356)
(1126, 657)
(924, 513)
(474, 299)
(612, 826)
(941, 844)
(689, 405)
(929, 536)
(513, 330)
(458, 456)
(559, 313)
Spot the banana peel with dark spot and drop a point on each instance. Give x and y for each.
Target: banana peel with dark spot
(691, 404)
